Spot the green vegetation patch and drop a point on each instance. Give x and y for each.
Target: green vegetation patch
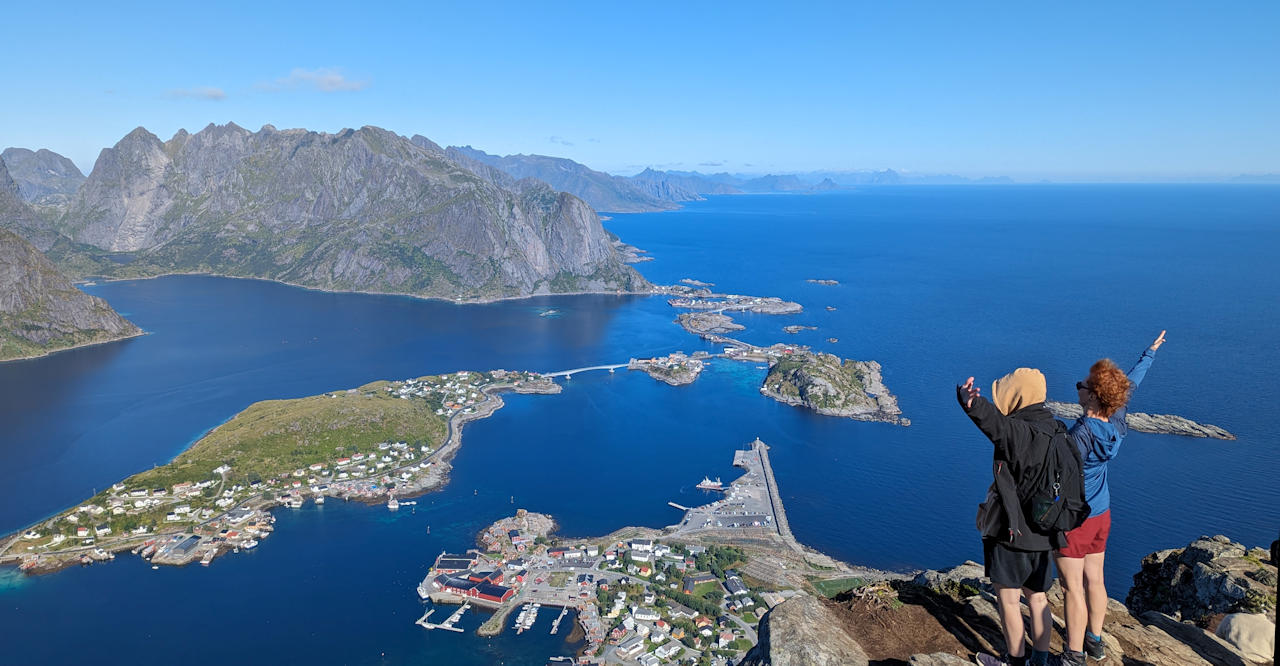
(831, 588)
(277, 436)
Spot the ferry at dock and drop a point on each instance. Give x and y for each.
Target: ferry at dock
(708, 484)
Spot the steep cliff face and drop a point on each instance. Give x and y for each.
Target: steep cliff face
(41, 311)
(361, 210)
(43, 176)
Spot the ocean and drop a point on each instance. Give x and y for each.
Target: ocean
(936, 283)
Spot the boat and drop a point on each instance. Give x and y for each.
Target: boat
(319, 499)
(208, 557)
(393, 504)
(28, 564)
(424, 592)
(708, 484)
(549, 313)
(249, 544)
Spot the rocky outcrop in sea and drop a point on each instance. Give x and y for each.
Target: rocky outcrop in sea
(828, 385)
(1161, 424)
(360, 210)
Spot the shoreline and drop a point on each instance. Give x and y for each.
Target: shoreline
(437, 478)
(51, 352)
(477, 301)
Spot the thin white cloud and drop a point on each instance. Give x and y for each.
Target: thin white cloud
(199, 92)
(710, 164)
(324, 79)
(560, 140)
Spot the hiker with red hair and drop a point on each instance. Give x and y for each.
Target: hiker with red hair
(1104, 396)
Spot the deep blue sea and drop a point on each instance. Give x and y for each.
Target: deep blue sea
(936, 283)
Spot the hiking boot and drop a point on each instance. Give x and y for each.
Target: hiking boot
(984, 659)
(1093, 647)
(1070, 658)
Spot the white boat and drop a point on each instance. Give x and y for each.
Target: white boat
(708, 484)
(423, 591)
(249, 544)
(319, 499)
(393, 504)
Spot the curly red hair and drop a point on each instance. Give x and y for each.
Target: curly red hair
(1110, 385)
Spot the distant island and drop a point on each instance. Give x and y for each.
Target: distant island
(829, 283)
(1161, 424)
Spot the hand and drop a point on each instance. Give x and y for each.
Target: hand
(968, 392)
(1159, 341)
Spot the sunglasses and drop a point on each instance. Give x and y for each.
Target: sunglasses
(1081, 386)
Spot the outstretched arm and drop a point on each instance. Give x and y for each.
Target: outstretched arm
(997, 427)
(1139, 371)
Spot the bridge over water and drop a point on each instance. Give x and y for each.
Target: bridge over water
(570, 373)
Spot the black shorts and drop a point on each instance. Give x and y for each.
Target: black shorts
(1007, 567)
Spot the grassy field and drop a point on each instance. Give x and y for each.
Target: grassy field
(278, 436)
(558, 579)
(830, 588)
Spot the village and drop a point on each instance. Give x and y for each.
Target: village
(228, 511)
(637, 601)
(676, 596)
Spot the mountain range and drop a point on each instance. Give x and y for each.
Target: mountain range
(360, 210)
(43, 176)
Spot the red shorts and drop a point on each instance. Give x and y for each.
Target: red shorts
(1090, 537)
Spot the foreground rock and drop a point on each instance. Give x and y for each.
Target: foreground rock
(947, 617)
(360, 210)
(42, 312)
(1162, 424)
(803, 631)
(831, 386)
(1208, 579)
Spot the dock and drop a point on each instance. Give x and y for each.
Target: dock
(555, 626)
(779, 513)
(682, 508)
(447, 624)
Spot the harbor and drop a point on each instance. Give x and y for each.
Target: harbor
(447, 625)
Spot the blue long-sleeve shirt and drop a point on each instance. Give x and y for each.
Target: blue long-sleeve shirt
(1099, 442)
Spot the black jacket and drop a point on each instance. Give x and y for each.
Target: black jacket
(1021, 441)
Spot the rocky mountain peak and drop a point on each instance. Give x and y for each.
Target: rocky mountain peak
(43, 176)
(362, 209)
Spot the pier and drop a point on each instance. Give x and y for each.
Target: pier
(447, 624)
(555, 626)
(682, 508)
(779, 513)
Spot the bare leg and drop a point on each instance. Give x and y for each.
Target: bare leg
(1011, 619)
(1071, 573)
(1040, 619)
(1096, 591)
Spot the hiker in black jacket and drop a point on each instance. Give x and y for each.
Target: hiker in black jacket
(1017, 556)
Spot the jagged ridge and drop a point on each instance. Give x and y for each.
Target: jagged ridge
(360, 210)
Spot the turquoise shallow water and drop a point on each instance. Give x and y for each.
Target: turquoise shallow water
(936, 283)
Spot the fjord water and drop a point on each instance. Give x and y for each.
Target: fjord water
(936, 283)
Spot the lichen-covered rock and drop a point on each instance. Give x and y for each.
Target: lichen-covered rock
(802, 631)
(360, 210)
(1210, 577)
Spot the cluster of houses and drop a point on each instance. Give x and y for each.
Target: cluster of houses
(640, 628)
(455, 392)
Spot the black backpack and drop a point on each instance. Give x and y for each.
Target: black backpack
(1053, 496)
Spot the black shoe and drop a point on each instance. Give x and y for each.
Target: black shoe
(1094, 649)
(1069, 658)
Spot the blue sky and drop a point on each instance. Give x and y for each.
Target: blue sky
(1080, 91)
